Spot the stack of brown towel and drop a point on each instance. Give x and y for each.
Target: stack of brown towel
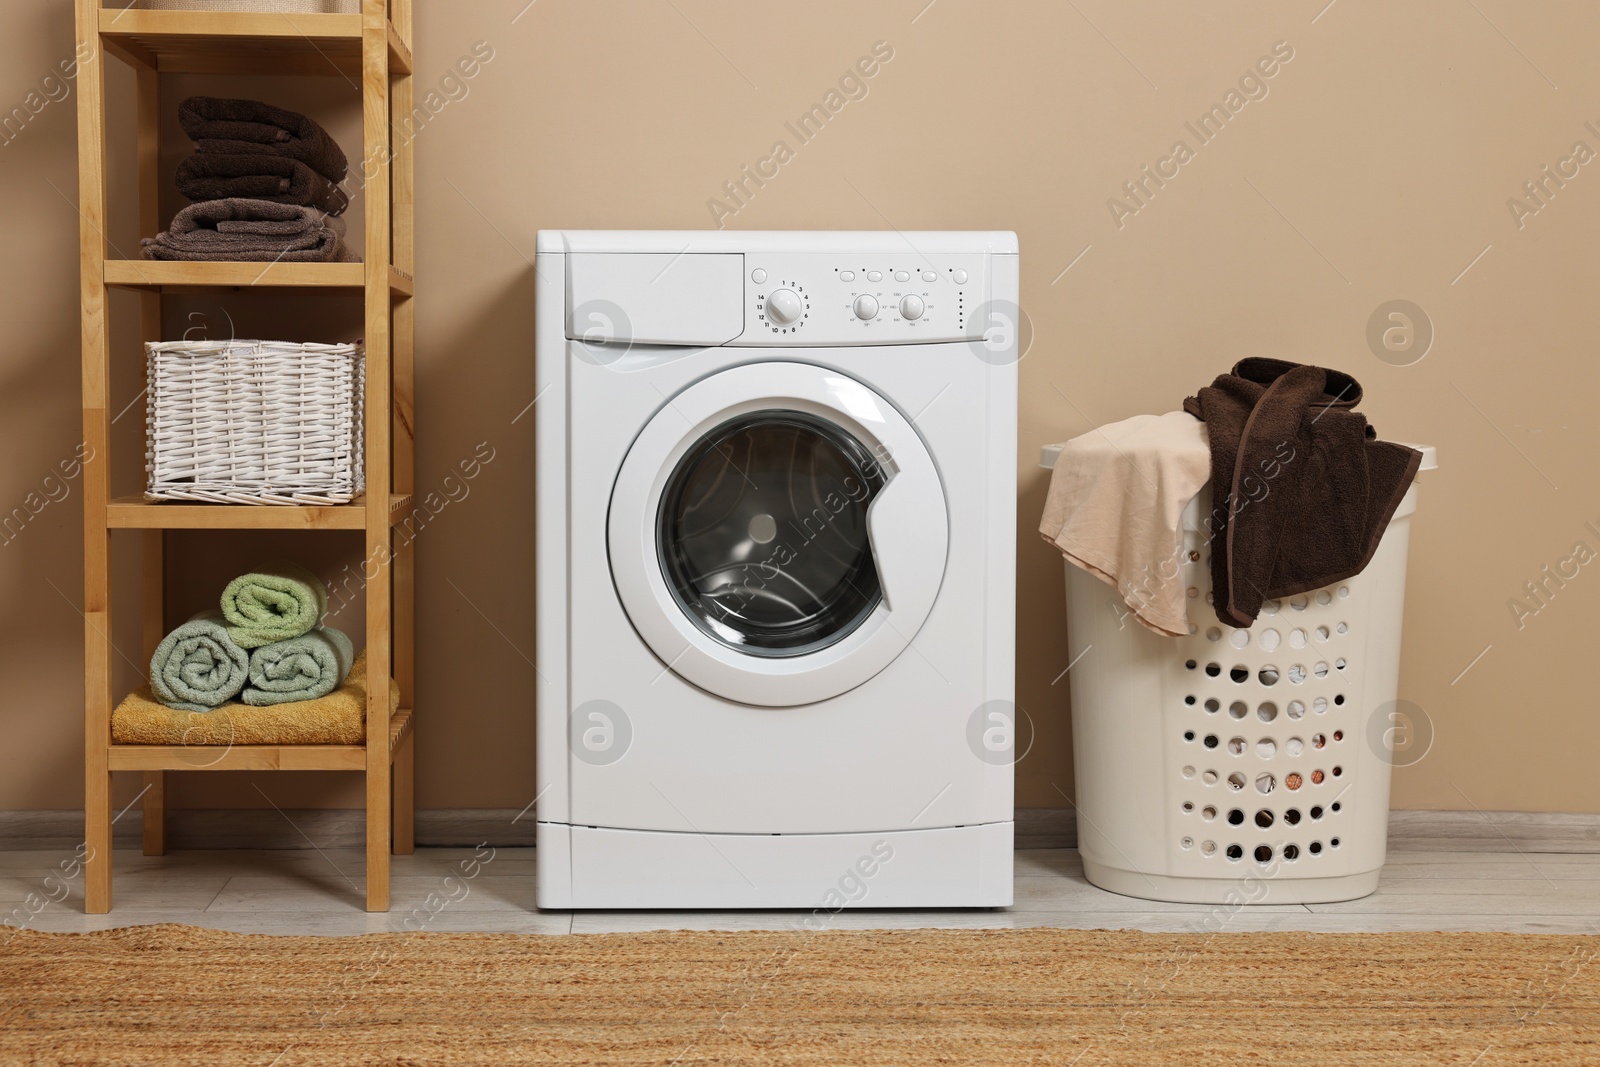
(265, 182)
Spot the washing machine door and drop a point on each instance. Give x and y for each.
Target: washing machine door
(778, 534)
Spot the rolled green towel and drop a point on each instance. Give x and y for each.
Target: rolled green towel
(274, 603)
(301, 668)
(198, 666)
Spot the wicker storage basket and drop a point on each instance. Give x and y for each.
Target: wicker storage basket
(254, 422)
(292, 7)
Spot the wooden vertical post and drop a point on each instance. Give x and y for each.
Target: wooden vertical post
(154, 627)
(400, 15)
(404, 798)
(403, 444)
(154, 555)
(97, 459)
(155, 813)
(375, 172)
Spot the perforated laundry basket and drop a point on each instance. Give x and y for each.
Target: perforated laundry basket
(1238, 766)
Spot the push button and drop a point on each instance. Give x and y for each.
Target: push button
(902, 276)
(874, 275)
(758, 275)
(847, 276)
(959, 276)
(929, 276)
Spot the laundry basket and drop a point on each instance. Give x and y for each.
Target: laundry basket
(1238, 766)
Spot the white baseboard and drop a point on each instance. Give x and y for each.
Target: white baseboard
(259, 828)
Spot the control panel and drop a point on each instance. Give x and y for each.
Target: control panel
(900, 298)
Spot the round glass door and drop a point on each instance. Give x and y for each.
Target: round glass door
(762, 533)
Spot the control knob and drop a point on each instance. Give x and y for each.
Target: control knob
(784, 306)
(911, 307)
(865, 307)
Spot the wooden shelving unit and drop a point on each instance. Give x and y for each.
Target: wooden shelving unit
(374, 46)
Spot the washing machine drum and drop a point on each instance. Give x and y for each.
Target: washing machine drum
(784, 544)
(763, 535)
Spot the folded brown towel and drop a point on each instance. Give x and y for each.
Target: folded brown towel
(258, 176)
(252, 231)
(243, 127)
(1302, 490)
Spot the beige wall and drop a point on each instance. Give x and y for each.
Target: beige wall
(1378, 166)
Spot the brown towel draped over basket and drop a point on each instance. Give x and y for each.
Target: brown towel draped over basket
(1302, 490)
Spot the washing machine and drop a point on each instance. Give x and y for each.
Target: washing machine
(776, 526)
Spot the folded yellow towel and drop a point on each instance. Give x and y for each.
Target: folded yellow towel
(336, 719)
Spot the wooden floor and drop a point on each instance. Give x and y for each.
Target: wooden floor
(321, 891)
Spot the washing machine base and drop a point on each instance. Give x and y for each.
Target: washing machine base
(582, 867)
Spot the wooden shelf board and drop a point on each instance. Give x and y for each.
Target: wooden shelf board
(254, 757)
(205, 42)
(136, 513)
(399, 54)
(152, 274)
(161, 275)
(237, 758)
(401, 283)
(399, 726)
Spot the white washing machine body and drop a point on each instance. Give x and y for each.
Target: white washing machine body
(776, 569)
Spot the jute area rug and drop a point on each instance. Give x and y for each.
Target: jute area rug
(179, 995)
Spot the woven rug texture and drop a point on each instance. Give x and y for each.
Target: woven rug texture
(181, 995)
